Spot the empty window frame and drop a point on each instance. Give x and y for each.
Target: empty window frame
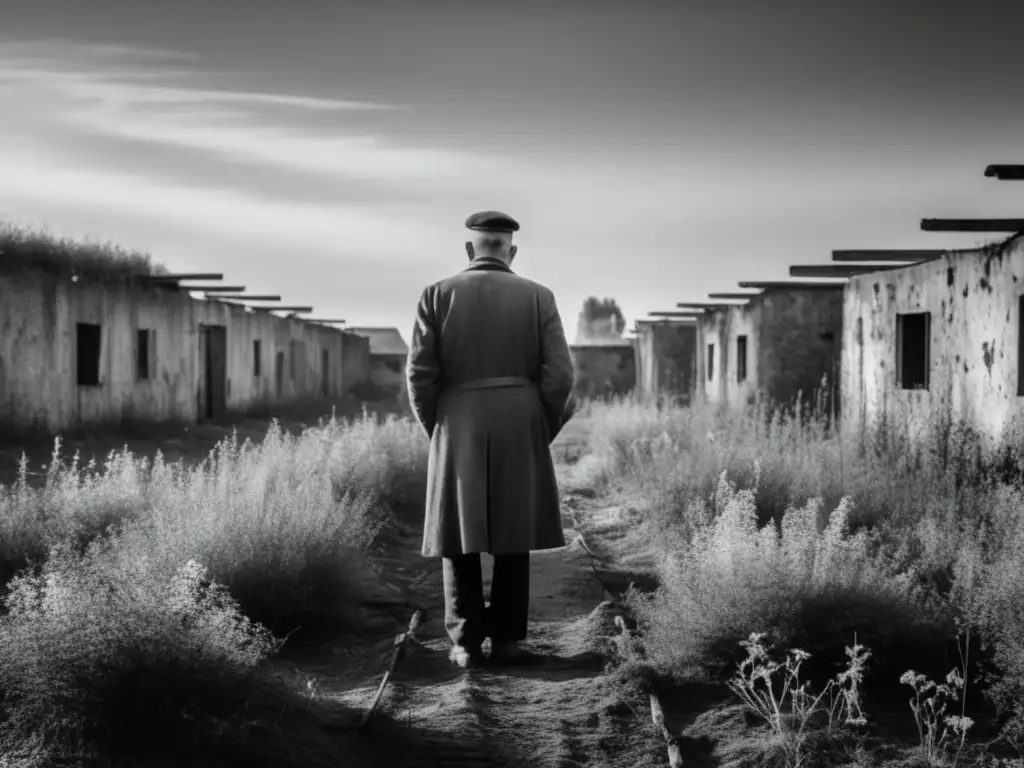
(257, 358)
(1020, 345)
(711, 362)
(143, 353)
(913, 349)
(87, 352)
(741, 358)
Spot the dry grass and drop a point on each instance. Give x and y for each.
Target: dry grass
(22, 248)
(897, 548)
(158, 591)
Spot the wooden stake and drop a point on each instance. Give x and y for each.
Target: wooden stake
(675, 757)
(396, 656)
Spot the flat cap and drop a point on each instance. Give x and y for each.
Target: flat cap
(492, 221)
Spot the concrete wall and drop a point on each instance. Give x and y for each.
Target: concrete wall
(793, 340)
(975, 329)
(722, 328)
(604, 369)
(800, 342)
(355, 359)
(39, 314)
(666, 359)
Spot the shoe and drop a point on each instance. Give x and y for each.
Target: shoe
(506, 652)
(465, 658)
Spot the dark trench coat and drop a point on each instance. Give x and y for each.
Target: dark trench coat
(491, 479)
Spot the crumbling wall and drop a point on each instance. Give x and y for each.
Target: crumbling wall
(801, 331)
(974, 301)
(39, 389)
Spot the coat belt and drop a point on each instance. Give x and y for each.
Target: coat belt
(497, 381)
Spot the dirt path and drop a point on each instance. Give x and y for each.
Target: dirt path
(554, 709)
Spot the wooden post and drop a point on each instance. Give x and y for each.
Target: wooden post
(396, 656)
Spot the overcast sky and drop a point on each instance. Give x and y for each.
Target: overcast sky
(652, 151)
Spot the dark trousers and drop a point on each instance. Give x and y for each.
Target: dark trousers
(467, 619)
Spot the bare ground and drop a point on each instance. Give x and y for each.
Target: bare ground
(555, 709)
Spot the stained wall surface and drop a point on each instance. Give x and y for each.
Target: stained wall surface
(974, 339)
(793, 338)
(39, 389)
(666, 360)
(604, 370)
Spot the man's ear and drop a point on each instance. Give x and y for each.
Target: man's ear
(512, 251)
(469, 250)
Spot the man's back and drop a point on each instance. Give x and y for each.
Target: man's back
(487, 322)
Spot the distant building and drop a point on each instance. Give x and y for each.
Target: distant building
(937, 345)
(604, 367)
(95, 350)
(388, 356)
(784, 341)
(666, 363)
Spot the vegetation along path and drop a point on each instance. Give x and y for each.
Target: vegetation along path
(554, 708)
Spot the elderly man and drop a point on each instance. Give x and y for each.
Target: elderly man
(490, 377)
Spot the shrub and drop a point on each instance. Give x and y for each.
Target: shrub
(809, 582)
(282, 525)
(99, 652)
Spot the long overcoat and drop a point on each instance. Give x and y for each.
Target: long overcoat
(491, 481)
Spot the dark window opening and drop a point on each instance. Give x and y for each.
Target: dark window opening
(913, 358)
(142, 351)
(711, 362)
(257, 358)
(741, 358)
(1020, 345)
(88, 353)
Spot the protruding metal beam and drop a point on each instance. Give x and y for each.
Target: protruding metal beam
(282, 309)
(888, 255)
(186, 276)
(213, 288)
(1006, 172)
(784, 284)
(249, 297)
(841, 270)
(323, 320)
(690, 315)
(708, 304)
(972, 225)
(747, 295)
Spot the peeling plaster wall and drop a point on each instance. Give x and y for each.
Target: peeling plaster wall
(722, 327)
(801, 331)
(604, 369)
(973, 297)
(793, 339)
(38, 363)
(667, 359)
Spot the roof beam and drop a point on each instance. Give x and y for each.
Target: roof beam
(972, 225)
(747, 295)
(921, 254)
(677, 315)
(1006, 172)
(323, 320)
(784, 284)
(283, 309)
(185, 276)
(841, 270)
(249, 297)
(213, 288)
(707, 304)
